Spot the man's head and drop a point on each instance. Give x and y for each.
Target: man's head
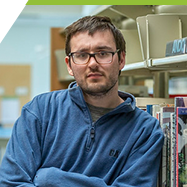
(95, 51)
(93, 24)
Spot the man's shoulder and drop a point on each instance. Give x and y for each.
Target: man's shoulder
(51, 96)
(46, 98)
(145, 116)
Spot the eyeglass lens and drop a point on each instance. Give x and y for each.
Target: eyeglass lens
(83, 58)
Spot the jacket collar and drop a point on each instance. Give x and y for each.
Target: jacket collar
(128, 105)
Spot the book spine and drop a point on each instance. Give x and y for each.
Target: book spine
(181, 146)
(178, 102)
(173, 151)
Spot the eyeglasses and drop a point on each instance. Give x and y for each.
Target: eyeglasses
(103, 57)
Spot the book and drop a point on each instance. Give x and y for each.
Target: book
(149, 109)
(178, 102)
(165, 119)
(155, 110)
(172, 150)
(181, 146)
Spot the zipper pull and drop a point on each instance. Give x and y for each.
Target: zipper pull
(92, 133)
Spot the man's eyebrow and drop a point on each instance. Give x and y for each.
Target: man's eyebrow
(104, 48)
(108, 48)
(82, 50)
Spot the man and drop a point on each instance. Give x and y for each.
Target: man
(90, 135)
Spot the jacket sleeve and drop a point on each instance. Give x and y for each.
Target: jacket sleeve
(140, 170)
(23, 155)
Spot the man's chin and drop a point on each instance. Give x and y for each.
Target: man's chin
(96, 90)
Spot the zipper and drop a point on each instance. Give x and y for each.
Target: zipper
(91, 137)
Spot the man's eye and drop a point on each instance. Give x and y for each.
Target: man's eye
(103, 54)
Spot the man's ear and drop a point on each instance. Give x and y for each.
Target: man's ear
(122, 60)
(67, 60)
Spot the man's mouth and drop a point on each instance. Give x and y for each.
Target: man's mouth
(94, 75)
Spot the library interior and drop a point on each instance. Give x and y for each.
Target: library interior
(32, 62)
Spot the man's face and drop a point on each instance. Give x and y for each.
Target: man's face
(95, 78)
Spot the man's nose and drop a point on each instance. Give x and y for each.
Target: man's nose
(92, 61)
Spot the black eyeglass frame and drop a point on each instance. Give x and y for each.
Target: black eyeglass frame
(93, 55)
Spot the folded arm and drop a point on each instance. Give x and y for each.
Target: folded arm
(140, 170)
(23, 155)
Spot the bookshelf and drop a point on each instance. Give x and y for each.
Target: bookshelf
(149, 28)
(169, 63)
(146, 29)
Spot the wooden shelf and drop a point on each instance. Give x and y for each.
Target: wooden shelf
(57, 43)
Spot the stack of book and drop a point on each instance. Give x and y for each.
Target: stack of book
(173, 121)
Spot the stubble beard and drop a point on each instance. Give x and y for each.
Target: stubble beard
(98, 90)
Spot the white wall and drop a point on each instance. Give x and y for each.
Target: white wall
(28, 40)
(29, 45)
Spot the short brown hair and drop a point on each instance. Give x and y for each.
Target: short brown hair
(93, 24)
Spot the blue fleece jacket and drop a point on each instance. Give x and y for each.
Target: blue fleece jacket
(54, 143)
